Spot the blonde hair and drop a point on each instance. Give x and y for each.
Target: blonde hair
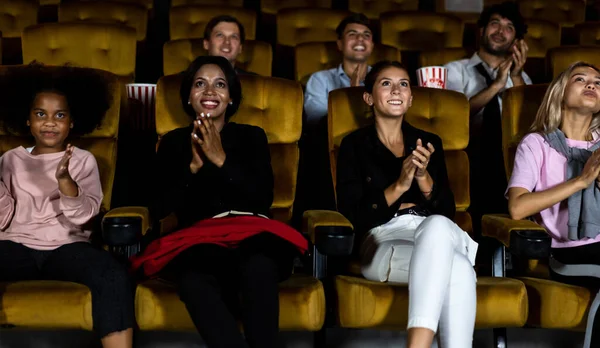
(550, 112)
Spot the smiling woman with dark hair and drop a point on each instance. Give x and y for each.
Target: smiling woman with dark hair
(215, 176)
(392, 184)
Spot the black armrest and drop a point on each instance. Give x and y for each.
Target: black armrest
(329, 231)
(531, 244)
(125, 226)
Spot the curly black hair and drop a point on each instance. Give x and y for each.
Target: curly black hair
(88, 93)
(508, 10)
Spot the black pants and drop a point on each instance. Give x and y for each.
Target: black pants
(219, 284)
(586, 254)
(109, 282)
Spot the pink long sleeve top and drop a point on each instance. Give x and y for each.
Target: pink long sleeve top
(34, 212)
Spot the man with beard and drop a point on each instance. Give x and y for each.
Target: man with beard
(496, 66)
(355, 41)
(224, 36)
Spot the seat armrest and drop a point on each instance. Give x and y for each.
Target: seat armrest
(125, 226)
(329, 231)
(522, 237)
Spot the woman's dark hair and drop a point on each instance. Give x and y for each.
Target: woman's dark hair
(88, 93)
(508, 10)
(233, 84)
(224, 18)
(378, 68)
(355, 18)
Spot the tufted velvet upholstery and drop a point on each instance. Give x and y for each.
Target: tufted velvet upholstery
(541, 36)
(148, 4)
(48, 2)
(559, 58)
(315, 56)
(130, 15)
(189, 22)
(296, 26)
(418, 31)
(274, 6)
(256, 56)
(16, 15)
(374, 8)
(442, 56)
(108, 47)
(589, 33)
(232, 3)
(566, 12)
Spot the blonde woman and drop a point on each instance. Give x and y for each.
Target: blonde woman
(556, 180)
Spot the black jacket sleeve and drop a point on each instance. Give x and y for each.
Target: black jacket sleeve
(361, 203)
(441, 200)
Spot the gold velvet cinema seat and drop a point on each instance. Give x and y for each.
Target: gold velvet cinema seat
(566, 12)
(589, 33)
(256, 56)
(374, 8)
(276, 106)
(311, 57)
(15, 15)
(542, 35)
(189, 21)
(127, 14)
(440, 57)
(58, 304)
(362, 303)
(108, 47)
(552, 305)
(228, 3)
(560, 58)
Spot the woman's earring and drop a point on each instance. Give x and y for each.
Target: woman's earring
(230, 103)
(189, 102)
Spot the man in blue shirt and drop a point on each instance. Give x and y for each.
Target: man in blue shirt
(355, 41)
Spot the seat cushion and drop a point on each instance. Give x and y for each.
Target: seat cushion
(501, 302)
(301, 301)
(46, 305)
(554, 305)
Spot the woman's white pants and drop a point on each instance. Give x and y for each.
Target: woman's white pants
(435, 257)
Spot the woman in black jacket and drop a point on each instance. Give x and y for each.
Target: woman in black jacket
(393, 186)
(212, 168)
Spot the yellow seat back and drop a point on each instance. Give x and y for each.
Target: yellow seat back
(256, 56)
(443, 112)
(589, 33)
(315, 56)
(273, 104)
(127, 14)
(439, 57)
(189, 22)
(16, 15)
(301, 25)
(565, 12)
(542, 35)
(107, 47)
(274, 6)
(102, 142)
(228, 3)
(560, 58)
(374, 8)
(519, 107)
(419, 31)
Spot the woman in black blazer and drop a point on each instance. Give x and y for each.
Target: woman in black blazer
(392, 184)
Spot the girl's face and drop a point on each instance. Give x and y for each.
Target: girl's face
(50, 121)
(210, 92)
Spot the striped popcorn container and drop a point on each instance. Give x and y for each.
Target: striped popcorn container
(145, 93)
(432, 77)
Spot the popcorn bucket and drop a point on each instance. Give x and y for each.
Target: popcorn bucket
(432, 77)
(145, 93)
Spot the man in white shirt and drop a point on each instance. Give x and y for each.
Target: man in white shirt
(497, 65)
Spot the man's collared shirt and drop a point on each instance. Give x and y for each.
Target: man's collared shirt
(317, 91)
(463, 77)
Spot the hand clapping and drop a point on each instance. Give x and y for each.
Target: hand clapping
(209, 142)
(62, 170)
(420, 158)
